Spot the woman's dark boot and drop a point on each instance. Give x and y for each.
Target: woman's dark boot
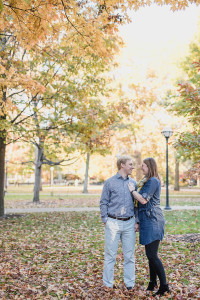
(162, 289)
(151, 286)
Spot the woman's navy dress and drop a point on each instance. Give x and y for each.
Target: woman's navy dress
(152, 222)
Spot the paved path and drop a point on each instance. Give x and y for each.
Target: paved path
(68, 209)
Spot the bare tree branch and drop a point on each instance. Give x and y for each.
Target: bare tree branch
(70, 163)
(52, 163)
(4, 34)
(21, 112)
(22, 163)
(4, 43)
(16, 93)
(13, 141)
(74, 25)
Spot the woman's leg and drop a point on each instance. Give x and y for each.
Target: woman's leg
(152, 271)
(155, 264)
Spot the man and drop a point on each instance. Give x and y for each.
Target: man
(121, 221)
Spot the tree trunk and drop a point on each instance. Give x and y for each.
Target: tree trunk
(138, 163)
(38, 171)
(2, 174)
(85, 189)
(41, 181)
(59, 173)
(176, 184)
(2, 156)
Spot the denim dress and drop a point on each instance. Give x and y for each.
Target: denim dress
(152, 222)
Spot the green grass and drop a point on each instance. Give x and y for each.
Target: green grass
(21, 200)
(193, 201)
(182, 222)
(60, 255)
(91, 188)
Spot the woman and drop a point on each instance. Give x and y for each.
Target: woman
(152, 223)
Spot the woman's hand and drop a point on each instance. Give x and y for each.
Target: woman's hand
(131, 186)
(137, 196)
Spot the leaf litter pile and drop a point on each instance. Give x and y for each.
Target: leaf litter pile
(60, 256)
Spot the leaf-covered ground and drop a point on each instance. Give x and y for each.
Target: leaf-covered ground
(60, 256)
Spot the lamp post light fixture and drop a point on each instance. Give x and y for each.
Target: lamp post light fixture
(167, 132)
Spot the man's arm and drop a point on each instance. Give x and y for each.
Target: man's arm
(136, 214)
(105, 197)
(136, 210)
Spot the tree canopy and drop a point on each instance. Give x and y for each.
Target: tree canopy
(31, 31)
(186, 103)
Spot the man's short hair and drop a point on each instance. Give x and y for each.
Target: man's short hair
(122, 160)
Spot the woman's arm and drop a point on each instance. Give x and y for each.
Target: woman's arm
(138, 197)
(151, 187)
(135, 194)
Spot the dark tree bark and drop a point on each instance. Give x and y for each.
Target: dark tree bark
(85, 188)
(2, 173)
(176, 184)
(38, 171)
(2, 157)
(41, 181)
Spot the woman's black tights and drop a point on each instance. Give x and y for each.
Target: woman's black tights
(155, 264)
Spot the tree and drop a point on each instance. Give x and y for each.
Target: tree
(194, 173)
(186, 103)
(139, 133)
(25, 25)
(13, 81)
(95, 128)
(63, 107)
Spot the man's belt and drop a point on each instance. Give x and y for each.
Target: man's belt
(121, 219)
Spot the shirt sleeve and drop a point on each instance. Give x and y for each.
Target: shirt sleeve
(105, 197)
(150, 188)
(136, 206)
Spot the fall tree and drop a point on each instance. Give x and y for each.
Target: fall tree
(54, 119)
(95, 128)
(186, 103)
(139, 134)
(25, 25)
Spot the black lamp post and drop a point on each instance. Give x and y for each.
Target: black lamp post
(167, 132)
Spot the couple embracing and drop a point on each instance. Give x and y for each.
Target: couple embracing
(127, 207)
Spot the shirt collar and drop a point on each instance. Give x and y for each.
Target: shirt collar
(120, 176)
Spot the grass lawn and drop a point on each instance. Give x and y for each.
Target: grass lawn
(92, 189)
(22, 197)
(60, 256)
(25, 201)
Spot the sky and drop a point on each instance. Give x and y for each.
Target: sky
(156, 39)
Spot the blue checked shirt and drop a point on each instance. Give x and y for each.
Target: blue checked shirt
(116, 199)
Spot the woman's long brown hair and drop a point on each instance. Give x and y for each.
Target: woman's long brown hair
(152, 167)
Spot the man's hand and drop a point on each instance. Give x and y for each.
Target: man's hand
(131, 186)
(137, 227)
